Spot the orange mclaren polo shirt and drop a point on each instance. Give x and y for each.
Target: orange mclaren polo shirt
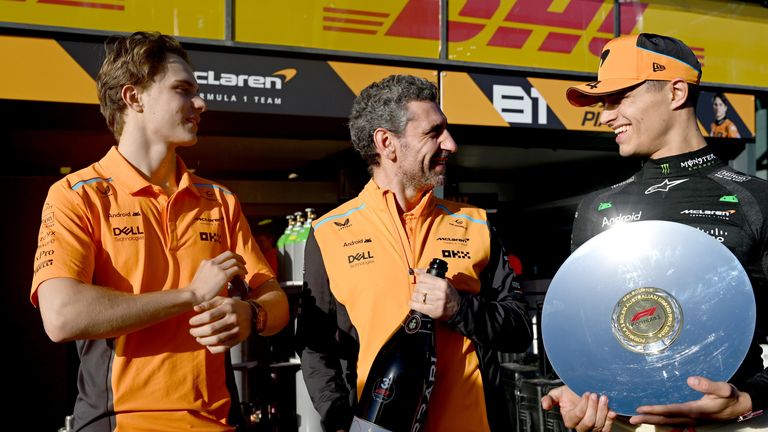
(368, 251)
(722, 130)
(108, 226)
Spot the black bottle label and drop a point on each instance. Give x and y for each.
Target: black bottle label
(383, 389)
(414, 323)
(421, 413)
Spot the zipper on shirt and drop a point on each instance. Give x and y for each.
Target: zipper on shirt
(399, 229)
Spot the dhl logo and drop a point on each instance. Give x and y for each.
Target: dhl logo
(94, 4)
(419, 19)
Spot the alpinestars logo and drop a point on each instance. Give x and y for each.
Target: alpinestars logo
(447, 253)
(664, 186)
(622, 219)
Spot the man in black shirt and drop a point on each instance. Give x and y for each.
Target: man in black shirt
(648, 86)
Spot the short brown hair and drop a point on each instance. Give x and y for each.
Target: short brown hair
(693, 91)
(136, 60)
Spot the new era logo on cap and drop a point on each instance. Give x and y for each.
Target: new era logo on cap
(630, 60)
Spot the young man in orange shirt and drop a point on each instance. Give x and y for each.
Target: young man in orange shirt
(722, 126)
(135, 254)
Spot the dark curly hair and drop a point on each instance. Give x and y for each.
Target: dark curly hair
(383, 105)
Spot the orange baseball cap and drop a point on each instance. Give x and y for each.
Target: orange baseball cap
(630, 60)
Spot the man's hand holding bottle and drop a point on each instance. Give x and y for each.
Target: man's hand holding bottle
(434, 296)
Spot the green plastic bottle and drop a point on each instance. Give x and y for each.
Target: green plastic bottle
(281, 253)
(300, 244)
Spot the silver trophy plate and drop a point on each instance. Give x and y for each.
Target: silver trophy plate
(639, 308)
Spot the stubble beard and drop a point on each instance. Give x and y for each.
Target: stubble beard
(420, 181)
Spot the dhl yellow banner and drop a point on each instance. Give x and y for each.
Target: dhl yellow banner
(498, 100)
(29, 76)
(495, 100)
(189, 18)
(241, 82)
(368, 26)
(565, 35)
(233, 82)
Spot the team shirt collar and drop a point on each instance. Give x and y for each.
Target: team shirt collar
(680, 165)
(426, 203)
(131, 179)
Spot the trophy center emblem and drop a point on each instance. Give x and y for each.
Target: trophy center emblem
(647, 320)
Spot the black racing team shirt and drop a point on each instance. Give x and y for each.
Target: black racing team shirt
(700, 190)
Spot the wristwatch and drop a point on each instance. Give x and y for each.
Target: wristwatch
(258, 317)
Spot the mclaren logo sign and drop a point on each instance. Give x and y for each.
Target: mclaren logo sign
(242, 80)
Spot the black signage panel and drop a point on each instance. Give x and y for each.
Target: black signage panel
(250, 83)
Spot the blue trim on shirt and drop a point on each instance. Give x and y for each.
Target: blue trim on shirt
(212, 186)
(329, 218)
(77, 185)
(462, 216)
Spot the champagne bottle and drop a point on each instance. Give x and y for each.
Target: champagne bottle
(396, 393)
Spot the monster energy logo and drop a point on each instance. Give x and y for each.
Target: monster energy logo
(664, 168)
